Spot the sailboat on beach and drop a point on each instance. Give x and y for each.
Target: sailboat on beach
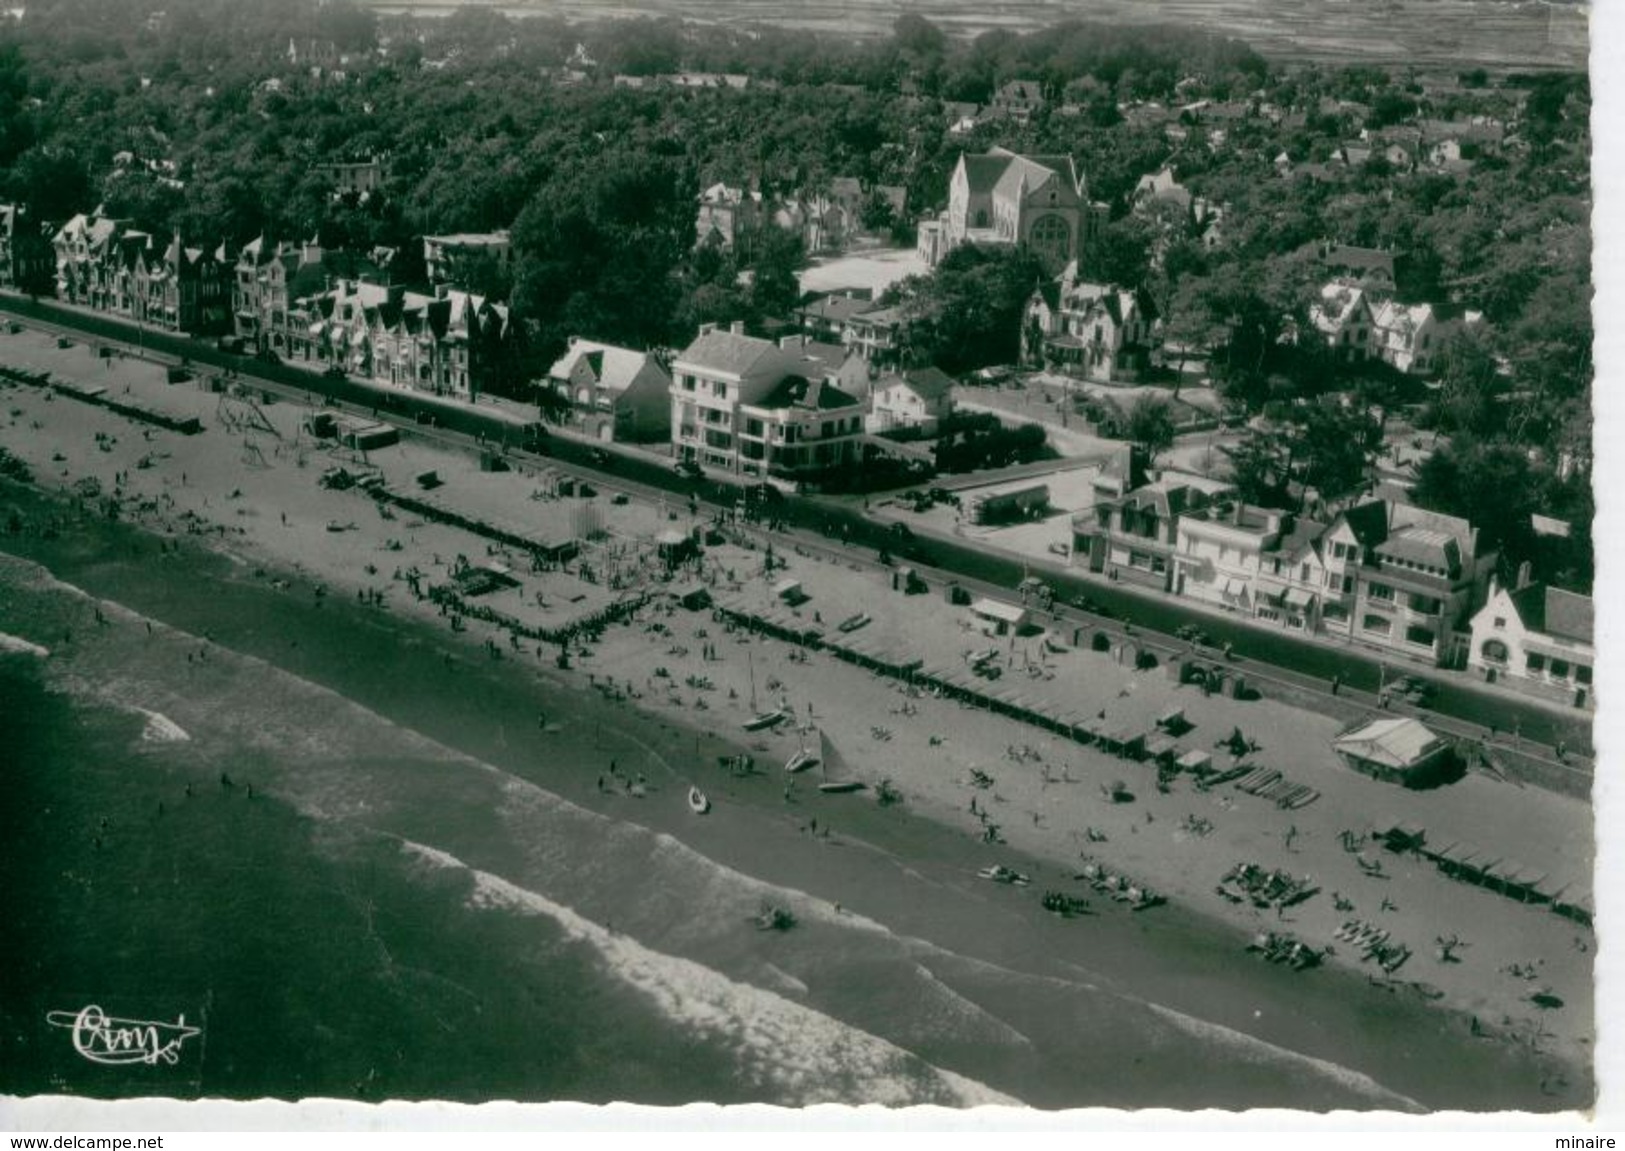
(761, 719)
(805, 758)
(837, 776)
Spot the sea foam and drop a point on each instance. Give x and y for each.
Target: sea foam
(16, 645)
(801, 1056)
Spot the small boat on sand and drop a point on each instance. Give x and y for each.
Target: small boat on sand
(842, 787)
(766, 719)
(697, 802)
(999, 873)
(801, 761)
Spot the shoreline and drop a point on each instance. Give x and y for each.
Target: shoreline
(624, 650)
(1216, 940)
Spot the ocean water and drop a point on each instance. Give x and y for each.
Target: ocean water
(440, 909)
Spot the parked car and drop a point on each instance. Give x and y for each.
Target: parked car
(333, 372)
(689, 469)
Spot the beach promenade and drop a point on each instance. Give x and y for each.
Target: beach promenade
(250, 484)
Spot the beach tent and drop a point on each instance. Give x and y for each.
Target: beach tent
(1392, 749)
(1004, 617)
(1194, 761)
(1162, 747)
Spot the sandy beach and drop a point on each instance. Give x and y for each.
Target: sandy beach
(247, 487)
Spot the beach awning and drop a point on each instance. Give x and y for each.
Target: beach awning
(786, 587)
(1298, 598)
(1161, 746)
(1194, 760)
(1234, 587)
(995, 609)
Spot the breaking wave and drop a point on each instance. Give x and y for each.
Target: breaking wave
(803, 1056)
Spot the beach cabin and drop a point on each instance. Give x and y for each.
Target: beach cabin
(1394, 750)
(998, 618)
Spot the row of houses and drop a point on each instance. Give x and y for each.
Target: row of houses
(744, 405)
(1358, 324)
(294, 302)
(827, 220)
(1382, 574)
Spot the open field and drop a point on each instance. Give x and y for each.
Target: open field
(1448, 33)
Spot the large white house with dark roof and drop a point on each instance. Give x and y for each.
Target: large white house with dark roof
(752, 407)
(1538, 640)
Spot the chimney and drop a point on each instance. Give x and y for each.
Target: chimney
(737, 327)
(1523, 576)
(1235, 513)
(707, 329)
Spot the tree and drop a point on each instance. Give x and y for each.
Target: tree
(597, 250)
(1151, 425)
(966, 313)
(779, 255)
(1491, 485)
(1189, 325)
(1469, 387)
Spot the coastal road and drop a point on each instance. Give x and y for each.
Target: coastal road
(851, 533)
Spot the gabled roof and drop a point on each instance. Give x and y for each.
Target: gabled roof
(795, 391)
(1368, 522)
(1338, 304)
(614, 368)
(823, 359)
(1363, 259)
(1421, 545)
(1300, 536)
(982, 172)
(729, 353)
(927, 383)
(1395, 742)
(1552, 611)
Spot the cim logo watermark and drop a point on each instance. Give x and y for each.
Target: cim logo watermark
(112, 1041)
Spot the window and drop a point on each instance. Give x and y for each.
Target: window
(1582, 673)
(1560, 669)
(1380, 591)
(1303, 573)
(1051, 239)
(1377, 623)
(1534, 661)
(1269, 613)
(1500, 621)
(1427, 604)
(688, 383)
(1334, 611)
(1494, 651)
(1348, 584)
(1422, 636)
